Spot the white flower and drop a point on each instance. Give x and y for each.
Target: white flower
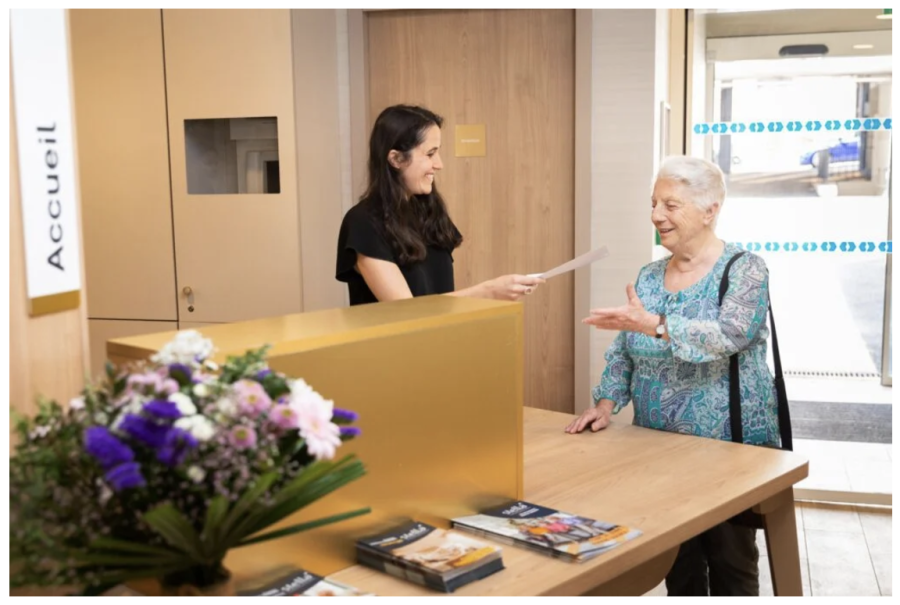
(303, 395)
(210, 365)
(39, 432)
(184, 404)
(198, 426)
(201, 390)
(105, 492)
(227, 406)
(203, 429)
(188, 347)
(196, 474)
(77, 403)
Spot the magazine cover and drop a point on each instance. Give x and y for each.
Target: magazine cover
(550, 529)
(302, 583)
(437, 550)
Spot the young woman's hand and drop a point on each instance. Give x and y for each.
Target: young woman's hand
(511, 287)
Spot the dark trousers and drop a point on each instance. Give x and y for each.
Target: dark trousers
(721, 562)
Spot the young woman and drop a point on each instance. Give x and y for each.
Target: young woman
(398, 241)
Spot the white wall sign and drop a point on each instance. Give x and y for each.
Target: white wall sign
(43, 108)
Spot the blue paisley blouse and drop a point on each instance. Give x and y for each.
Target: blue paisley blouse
(682, 385)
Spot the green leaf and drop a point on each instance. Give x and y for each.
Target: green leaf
(300, 527)
(311, 473)
(242, 506)
(319, 488)
(176, 529)
(215, 515)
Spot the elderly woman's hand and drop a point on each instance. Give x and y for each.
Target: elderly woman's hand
(632, 317)
(595, 418)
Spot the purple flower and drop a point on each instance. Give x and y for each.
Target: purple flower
(339, 416)
(125, 476)
(262, 374)
(106, 448)
(180, 373)
(243, 437)
(284, 416)
(162, 409)
(349, 432)
(175, 447)
(145, 431)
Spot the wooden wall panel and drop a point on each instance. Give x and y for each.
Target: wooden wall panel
(120, 117)
(512, 70)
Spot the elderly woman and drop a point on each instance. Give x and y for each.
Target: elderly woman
(671, 357)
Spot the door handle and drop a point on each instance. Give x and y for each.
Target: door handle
(189, 293)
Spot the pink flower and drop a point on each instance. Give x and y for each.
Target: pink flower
(152, 383)
(284, 416)
(140, 380)
(322, 436)
(314, 420)
(251, 397)
(243, 437)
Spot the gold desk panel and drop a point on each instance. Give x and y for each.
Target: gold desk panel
(438, 384)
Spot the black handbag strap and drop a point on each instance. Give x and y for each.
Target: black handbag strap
(734, 378)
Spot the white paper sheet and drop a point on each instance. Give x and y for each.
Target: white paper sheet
(579, 261)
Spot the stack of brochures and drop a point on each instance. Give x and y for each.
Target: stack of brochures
(546, 530)
(301, 583)
(436, 558)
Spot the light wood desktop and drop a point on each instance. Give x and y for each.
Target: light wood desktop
(672, 487)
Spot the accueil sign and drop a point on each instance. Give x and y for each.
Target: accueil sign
(46, 154)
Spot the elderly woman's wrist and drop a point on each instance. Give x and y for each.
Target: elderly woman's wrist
(606, 405)
(649, 324)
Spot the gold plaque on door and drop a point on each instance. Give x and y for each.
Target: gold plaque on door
(470, 141)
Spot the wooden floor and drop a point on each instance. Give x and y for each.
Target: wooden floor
(844, 551)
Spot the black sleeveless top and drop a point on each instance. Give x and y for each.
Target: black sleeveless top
(362, 232)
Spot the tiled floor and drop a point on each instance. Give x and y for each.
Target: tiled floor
(847, 466)
(844, 551)
(844, 465)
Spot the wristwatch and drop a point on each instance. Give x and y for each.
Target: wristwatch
(661, 327)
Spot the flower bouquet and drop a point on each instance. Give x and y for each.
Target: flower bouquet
(168, 465)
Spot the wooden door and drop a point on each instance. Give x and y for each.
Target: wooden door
(513, 71)
(239, 253)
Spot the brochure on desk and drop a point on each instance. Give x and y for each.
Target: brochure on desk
(436, 558)
(547, 530)
(302, 583)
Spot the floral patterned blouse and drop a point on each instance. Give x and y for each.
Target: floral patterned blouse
(682, 385)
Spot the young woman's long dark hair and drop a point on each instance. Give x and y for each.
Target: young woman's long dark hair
(411, 223)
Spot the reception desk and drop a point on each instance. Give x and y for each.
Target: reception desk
(438, 384)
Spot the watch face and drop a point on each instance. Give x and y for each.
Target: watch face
(660, 329)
